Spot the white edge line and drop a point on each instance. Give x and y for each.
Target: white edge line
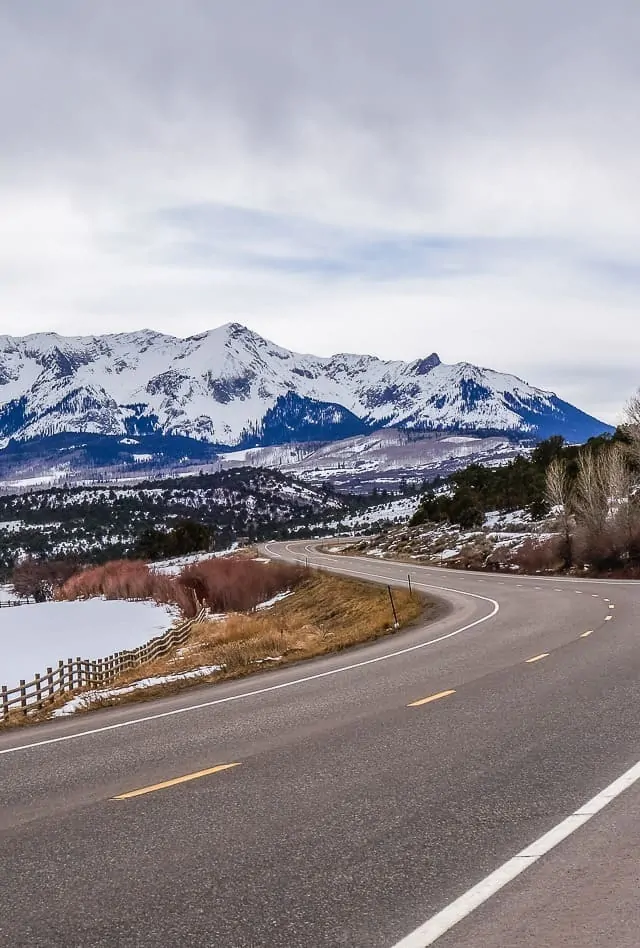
(443, 921)
(287, 684)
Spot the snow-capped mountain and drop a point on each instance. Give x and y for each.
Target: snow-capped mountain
(230, 387)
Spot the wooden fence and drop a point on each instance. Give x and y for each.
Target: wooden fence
(76, 674)
(11, 603)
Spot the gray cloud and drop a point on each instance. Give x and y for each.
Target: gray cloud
(396, 176)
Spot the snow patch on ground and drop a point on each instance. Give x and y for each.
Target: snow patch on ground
(268, 603)
(90, 698)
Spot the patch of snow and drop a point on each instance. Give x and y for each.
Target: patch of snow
(268, 603)
(89, 698)
(457, 439)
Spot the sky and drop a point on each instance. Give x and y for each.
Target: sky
(386, 176)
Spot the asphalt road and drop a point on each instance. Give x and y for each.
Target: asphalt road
(354, 814)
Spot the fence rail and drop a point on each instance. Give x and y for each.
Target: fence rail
(75, 674)
(11, 603)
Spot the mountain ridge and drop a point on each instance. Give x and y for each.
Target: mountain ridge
(230, 387)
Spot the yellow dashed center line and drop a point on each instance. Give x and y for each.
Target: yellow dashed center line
(441, 694)
(174, 783)
(537, 658)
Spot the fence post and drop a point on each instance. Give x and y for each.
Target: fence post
(23, 696)
(5, 702)
(79, 667)
(38, 691)
(61, 675)
(410, 589)
(396, 624)
(70, 679)
(50, 683)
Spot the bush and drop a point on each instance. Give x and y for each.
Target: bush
(538, 556)
(232, 584)
(39, 579)
(237, 584)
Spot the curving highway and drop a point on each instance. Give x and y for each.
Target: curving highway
(471, 782)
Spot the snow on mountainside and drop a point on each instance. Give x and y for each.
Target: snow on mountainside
(231, 387)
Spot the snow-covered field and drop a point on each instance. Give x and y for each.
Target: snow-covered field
(34, 637)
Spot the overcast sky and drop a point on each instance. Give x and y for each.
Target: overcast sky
(385, 176)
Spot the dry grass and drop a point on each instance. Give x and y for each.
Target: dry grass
(326, 614)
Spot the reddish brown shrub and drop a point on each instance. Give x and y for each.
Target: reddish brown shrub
(233, 584)
(237, 584)
(118, 579)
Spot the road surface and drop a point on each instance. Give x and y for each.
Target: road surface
(371, 793)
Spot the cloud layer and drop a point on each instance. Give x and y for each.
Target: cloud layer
(395, 177)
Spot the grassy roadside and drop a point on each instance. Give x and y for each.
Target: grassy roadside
(325, 614)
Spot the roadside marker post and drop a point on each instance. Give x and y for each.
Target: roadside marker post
(396, 624)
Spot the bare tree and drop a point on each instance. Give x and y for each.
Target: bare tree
(606, 510)
(624, 511)
(559, 496)
(631, 427)
(591, 495)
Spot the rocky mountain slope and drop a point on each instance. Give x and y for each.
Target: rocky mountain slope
(232, 388)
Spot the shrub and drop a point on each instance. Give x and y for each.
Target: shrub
(233, 584)
(538, 556)
(237, 584)
(39, 579)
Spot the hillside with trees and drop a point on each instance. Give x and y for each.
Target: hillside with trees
(163, 518)
(589, 493)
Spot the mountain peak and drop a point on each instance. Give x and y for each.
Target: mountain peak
(424, 366)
